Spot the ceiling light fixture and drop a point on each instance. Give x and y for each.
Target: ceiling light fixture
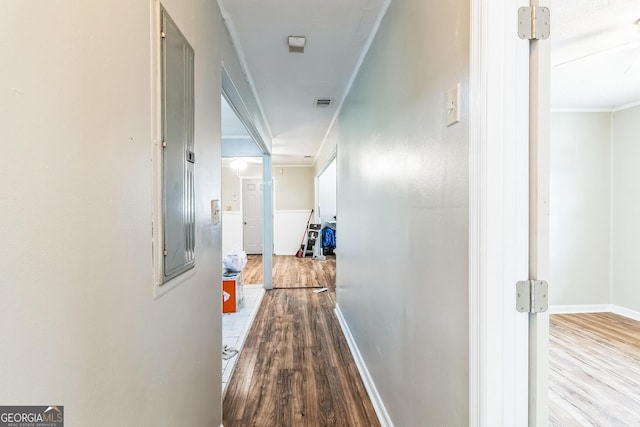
(296, 44)
(238, 164)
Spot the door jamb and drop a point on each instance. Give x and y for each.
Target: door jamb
(332, 156)
(539, 163)
(498, 215)
(230, 92)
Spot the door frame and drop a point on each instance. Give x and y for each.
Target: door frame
(499, 359)
(316, 182)
(232, 95)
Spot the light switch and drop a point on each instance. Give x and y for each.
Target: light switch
(453, 105)
(215, 212)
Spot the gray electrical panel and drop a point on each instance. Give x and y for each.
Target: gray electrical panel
(178, 158)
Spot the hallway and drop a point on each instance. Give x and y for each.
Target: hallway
(118, 283)
(296, 368)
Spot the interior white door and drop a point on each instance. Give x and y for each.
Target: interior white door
(252, 208)
(509, 217)
(539, 122)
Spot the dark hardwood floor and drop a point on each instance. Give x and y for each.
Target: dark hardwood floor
(296, 368)
(594, 370)
(292, 272)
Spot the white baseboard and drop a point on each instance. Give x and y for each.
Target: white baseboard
(574, 309)
(595, 308)
(631, 314)
(372, 391)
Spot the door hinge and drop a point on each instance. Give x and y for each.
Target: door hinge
(534, 22)
(165, 253)
(164, 144)
(532, 296)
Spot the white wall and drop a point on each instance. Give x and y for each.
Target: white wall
(231, 232)
(79, 323)
(288, 228)
(580, 209)
(626, 208)
(595, 206)
(402, 284)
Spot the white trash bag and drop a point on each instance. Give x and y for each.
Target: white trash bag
(235, 261)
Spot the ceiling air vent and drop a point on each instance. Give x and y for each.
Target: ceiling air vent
(323, 102)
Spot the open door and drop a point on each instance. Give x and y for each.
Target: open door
(539, 135)
(509, 117)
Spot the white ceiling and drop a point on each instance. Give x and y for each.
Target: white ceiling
(595, 54)
(595, 60)
(287, 84)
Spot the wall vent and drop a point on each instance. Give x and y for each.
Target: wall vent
(323, 102)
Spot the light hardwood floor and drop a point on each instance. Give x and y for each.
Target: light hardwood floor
(292, 272)
(296, 368)
(594, 370)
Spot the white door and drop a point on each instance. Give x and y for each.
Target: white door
(509, 217)
(252, 195)
(539, 121)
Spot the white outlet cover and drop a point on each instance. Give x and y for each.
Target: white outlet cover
(453, 105)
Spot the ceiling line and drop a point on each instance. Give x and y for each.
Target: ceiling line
(625, 106)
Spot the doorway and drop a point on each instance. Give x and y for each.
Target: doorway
(595, 70)
(241, 144)
(327, 197)
(327, 208)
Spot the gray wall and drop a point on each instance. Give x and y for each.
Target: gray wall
(293, 188)
(580, 209)
(595, 206)
(403, 213)
(626, 208)
(78, 317)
